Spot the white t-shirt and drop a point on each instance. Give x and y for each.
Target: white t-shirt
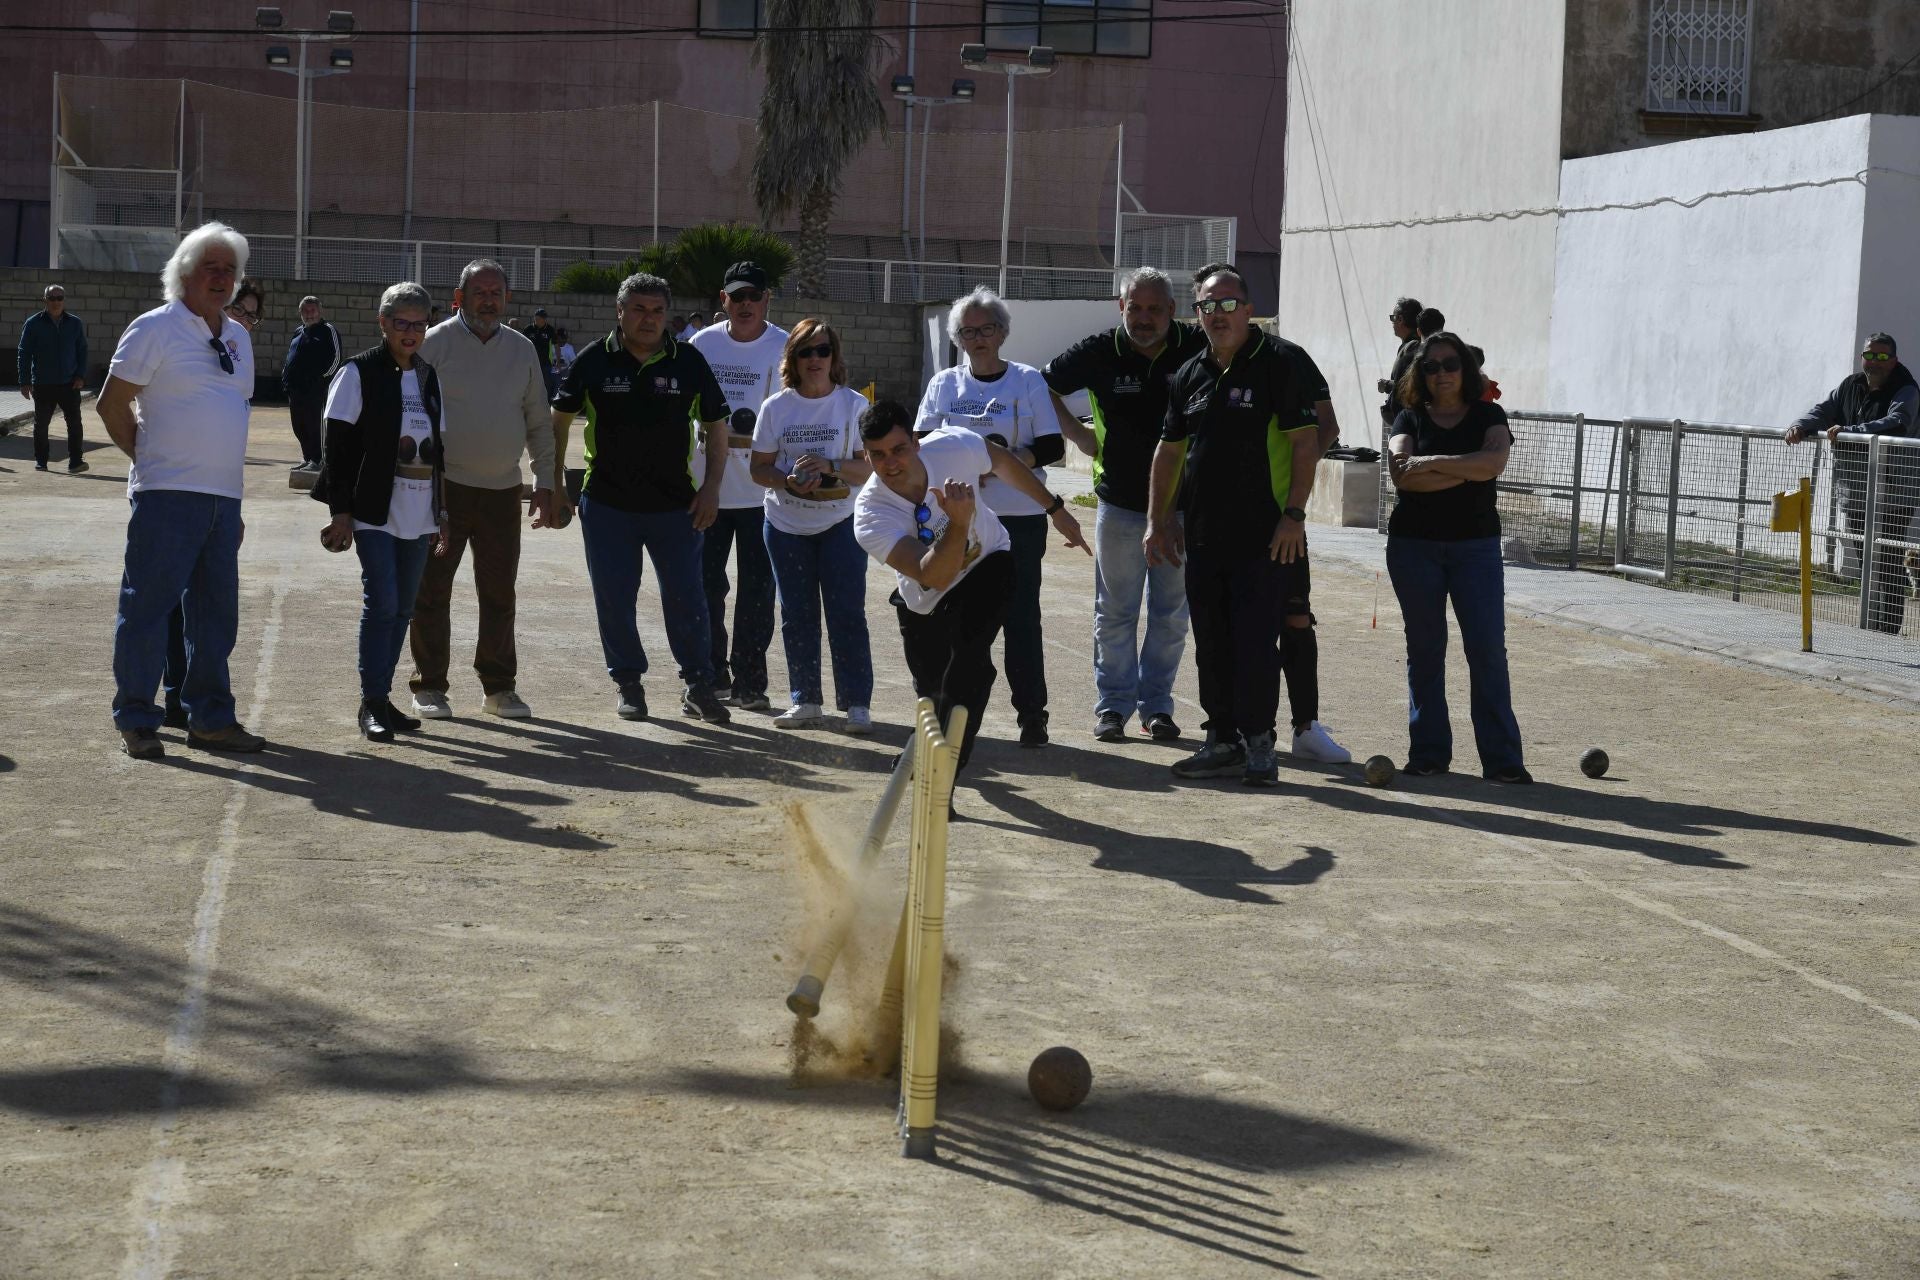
(1015, 406)
(748, 372)
(882, 517)
(791, 425)
(192, 414)
(410, 514)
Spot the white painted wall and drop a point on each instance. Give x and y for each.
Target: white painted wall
(1745, 308)
(1399, 112)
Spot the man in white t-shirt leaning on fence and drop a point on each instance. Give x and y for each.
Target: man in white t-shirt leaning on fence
(176, 404)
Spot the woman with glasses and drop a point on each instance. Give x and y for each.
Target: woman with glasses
(1010, 405)
(806, 451)
(1448, 447)
(247, 305)
(382, 477)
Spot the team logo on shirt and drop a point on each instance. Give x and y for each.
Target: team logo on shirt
(1240, 397)
(616, 384)
(1126, 385)
(1198, 404)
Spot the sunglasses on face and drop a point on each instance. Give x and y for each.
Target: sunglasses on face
(1875, 357)
(747, 295)
(58, 297)
(969, 332)
(1225, 306)
(220, 349)
(406, 326)
(922, 514)
(822, 352)
(1449, 365)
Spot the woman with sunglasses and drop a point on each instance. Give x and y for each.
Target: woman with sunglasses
(382, 477)
(1448, 446)
(1009, 404)
(806, 451)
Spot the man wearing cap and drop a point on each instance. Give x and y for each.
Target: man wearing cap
(52, 368)
(745, 355)
(540, 334)
(312, 357)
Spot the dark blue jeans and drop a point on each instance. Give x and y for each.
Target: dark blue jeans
(390, 570)
(744, 664)
(1425, 576)
(615, 540)
(183, 550)
(829, 568)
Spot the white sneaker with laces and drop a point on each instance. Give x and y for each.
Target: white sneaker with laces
(1315, 743)
(507, 705)
(801, 715)
(431, 704)
(859, 721)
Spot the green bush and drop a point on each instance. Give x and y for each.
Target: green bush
(693, 263)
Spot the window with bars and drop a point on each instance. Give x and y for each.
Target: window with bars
(1699, 56)
(1119, 28)
(740, 18)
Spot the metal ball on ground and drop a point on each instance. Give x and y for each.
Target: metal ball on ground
(1594, 763)
(1380, 771)
(1059, 1079)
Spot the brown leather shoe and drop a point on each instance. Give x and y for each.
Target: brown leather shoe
(230, 738)
(142, 744)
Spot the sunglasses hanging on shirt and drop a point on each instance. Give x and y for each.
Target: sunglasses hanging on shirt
(922, 514)
(220, 349)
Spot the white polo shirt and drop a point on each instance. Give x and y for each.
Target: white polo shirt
(748, 373)
(192, 414)
(882, 517)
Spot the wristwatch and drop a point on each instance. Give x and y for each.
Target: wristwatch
(1294, 513)
(1058, 502)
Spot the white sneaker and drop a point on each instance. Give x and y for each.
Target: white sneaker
(801, 715)
(507, 705)
(431, 704)
(1315, 743)
(859, 721)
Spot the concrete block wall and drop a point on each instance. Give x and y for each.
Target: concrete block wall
(882, 341)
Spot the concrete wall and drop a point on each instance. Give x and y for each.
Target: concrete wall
(1746, 308)
(1370, 141)
(882, 342)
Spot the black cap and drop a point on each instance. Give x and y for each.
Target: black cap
(540, 311)
(743, 275)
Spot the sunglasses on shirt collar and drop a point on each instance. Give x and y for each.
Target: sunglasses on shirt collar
(220, 349)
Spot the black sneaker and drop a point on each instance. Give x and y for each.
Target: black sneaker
(1111, 726)
(1034, 733)
(76, 466)
(751, 701)
(142, 744)
(392, 717)
(723, 690)
(1214, 760)
(1513, 775)
(633, 702)
(1160, 727)
(368, 718)
(700, 702)
(1424, 768)
(41, 466)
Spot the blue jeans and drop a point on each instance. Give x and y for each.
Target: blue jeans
(614, 541)
(390, 570)
(829, 568)
(744, 664)
(1130, 674)
(183, 549)
(1426, 575)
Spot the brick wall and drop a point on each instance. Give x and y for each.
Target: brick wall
(882, 341)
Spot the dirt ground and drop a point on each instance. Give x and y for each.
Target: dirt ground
(504, 999)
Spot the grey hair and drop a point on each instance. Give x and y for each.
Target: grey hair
(309, 298)
(480, 267)
(640, 283)
(192, 250)
(404, 294)
(1148, 277)
(981, 299)
(48, 291)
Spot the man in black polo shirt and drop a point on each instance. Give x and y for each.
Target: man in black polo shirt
(644, 393)
(1124, 372)
(1244, 421)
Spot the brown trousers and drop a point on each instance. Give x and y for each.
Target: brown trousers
(489, 520)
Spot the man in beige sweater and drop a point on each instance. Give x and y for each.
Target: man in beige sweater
(495, 411)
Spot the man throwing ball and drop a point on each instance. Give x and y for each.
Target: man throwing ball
(919, 516)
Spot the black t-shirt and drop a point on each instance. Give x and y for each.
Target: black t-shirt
(1240, 425)
(1128, 393)
(641, 421)
(1466, 510)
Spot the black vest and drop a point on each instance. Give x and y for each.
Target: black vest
(356, 473)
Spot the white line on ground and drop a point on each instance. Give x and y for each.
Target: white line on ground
(162, 1190)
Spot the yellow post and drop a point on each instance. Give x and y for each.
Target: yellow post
(924, 926)
(871, 390)
(1806, 565)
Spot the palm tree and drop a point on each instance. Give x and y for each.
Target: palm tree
(820, 104)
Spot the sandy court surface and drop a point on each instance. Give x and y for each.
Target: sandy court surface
(504, 999)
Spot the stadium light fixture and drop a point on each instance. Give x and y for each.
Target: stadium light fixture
(341, 59)
(1040, 56)
(963, 88)
(278, 55)
(903, 86)
(974, 55)
(340, 22)
(267, 17)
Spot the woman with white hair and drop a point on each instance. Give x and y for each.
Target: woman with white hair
(383, 477)
(1009, 404)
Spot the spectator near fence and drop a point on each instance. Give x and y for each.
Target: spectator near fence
(312, 357)
(1882, 399)
(52, 367)
(541, 334)
(1405, 320)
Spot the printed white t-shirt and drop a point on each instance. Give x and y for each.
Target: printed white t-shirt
(748, 373)
(1015, 406)
(882, 517)
(411, 513)
(791, 425)
(192, 414)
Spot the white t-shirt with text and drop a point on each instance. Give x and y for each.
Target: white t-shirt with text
(1015, 406)
(791, 425)
(748, 373)
(192, 412)
(882, 517)
(411, 512)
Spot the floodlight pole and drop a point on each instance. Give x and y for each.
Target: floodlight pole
(1039, 63)
(302, 129)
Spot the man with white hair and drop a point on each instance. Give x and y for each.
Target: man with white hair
(176, 404)
(495, 395)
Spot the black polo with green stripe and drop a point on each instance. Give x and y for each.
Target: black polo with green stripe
(1128, 392)
(643, 420)
(1239, 424)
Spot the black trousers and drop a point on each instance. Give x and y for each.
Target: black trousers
(1885, 581)
(1025, 648)
(950, 650)
(47, 397)
(1238, 603)
(308, 409)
